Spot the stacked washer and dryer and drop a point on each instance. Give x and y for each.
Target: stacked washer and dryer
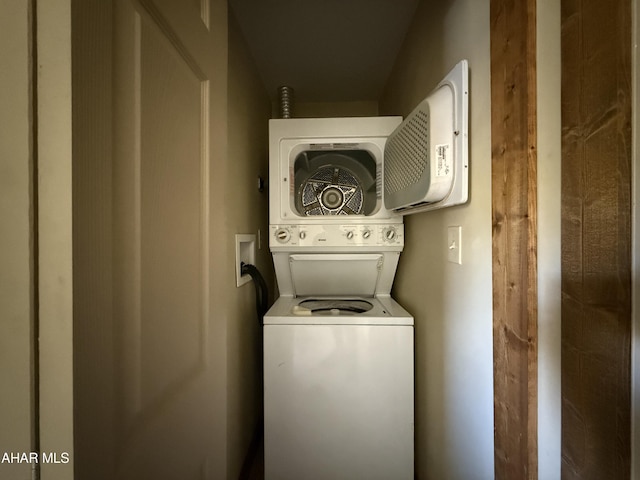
(338, 350)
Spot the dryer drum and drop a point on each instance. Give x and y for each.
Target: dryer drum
(331, 190)
(335, 182)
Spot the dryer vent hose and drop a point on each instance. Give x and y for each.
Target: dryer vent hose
(285, 96)
(262, 293)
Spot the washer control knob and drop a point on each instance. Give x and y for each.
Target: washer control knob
(390, 234)
(303, 235)
(366, 234)
(283, 235)
(350, 235)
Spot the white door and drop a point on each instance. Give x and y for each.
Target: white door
(169, 375)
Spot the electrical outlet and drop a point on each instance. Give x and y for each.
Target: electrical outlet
(245, 253)
(454, 244)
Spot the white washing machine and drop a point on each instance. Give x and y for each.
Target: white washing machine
(338, 350)
(338, 389)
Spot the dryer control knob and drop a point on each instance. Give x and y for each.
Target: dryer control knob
(282, 235)
(366, 234)
(350, 235)
(303, 235)
(390, 234)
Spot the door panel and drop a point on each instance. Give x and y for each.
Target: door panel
(172, 237)
(164, 380)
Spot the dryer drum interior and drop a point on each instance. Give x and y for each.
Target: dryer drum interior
(340, 182)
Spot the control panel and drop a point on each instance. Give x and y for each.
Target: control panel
(336, 235)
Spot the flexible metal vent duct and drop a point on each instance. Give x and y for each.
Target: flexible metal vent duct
(285, 96)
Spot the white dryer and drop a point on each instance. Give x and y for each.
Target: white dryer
(338, 350)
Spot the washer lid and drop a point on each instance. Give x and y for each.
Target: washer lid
(335, 274)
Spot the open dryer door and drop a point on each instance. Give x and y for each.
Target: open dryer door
(426, 158)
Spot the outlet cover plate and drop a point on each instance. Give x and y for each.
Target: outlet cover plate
(245, 253)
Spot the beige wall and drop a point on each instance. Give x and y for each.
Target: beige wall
(331, 109)
(452, 304)
(549, 294)
(249, 109)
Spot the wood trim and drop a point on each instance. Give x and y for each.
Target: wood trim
(514, 204)
(597, 276)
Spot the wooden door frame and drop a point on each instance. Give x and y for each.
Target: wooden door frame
(596, 263)
(635, 243)
(514, 204)
(514, 236)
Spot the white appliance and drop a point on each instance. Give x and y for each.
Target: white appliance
(338, 350)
